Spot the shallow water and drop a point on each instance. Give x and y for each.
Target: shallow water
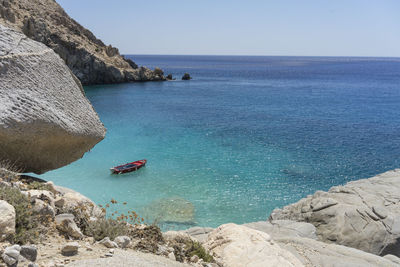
(246, 135)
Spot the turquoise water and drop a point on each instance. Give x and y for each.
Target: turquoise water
(246, 135)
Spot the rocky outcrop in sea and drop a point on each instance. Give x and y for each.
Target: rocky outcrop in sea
(46, 121)
(89, 58)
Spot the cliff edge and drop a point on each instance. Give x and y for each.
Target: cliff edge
(87, 57)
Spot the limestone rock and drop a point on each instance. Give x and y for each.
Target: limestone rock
(70, 249)
(11, 255)
(73, 201)
(43, 209)
(65, 224)
(108, 243)
(363, 214)
(7, 220)
(88, 57)
(315, 253)
(284, 228)
(122, 241)
(43, 195)
(46, 122)
(236, 245)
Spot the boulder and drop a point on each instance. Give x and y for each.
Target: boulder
(236, 245)
(70, 249)
(66, 225)
(7, 220)
(363, 214)
(46, 122)
(186, 77)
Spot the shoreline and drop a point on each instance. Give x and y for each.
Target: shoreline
(288, 227)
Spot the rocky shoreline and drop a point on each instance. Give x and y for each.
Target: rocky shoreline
(285, 239)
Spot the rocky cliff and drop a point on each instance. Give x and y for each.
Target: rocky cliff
(88, 57)
(46, 121)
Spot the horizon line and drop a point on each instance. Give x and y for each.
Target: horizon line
(145, 54)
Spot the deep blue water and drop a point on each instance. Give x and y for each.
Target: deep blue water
(245, 136)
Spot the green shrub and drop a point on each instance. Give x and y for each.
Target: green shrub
(195, 248)
(26, 226)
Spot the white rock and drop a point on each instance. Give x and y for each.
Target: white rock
(122, 241)
(74, 200)
(236, 245)
(171, 256)
(7, 219)
(11, 255)
(43, 195)
(43, 209)
(108, 243)
(65, 224)
(43, 102)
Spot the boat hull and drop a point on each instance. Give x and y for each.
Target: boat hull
(129, 167)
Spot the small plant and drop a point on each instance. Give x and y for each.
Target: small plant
(26, 227)
(185, 248)
(195, 248)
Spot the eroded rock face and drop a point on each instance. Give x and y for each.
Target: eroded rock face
(363, 214)
(46, 122)
(236, 245)
(88, 57)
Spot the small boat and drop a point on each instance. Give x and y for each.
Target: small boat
(128, 167)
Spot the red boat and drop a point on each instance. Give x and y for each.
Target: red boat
(129, 167)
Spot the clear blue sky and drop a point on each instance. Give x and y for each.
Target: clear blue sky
(232, 27)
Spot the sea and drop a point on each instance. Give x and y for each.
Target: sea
(246, 135)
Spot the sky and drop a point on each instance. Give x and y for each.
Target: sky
(252, 27)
